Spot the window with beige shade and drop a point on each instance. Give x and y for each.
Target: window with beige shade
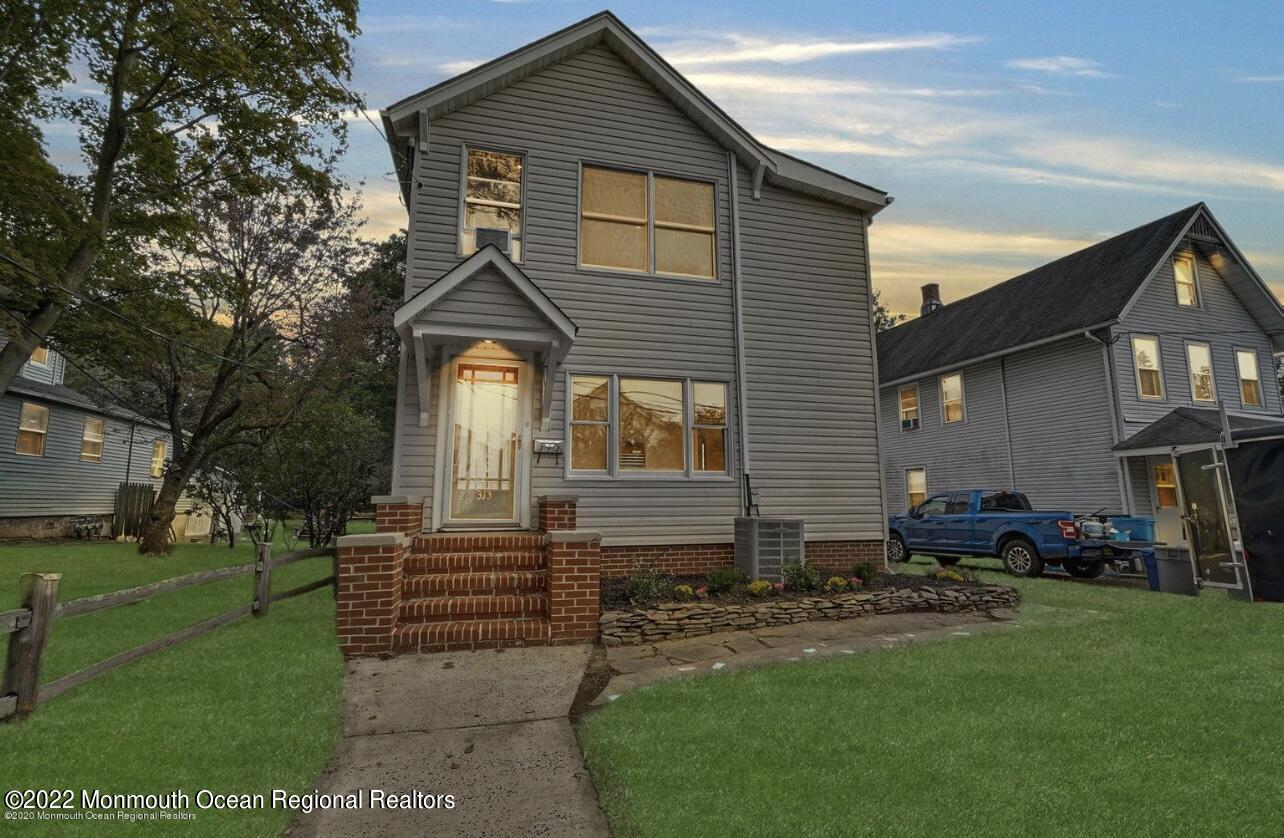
(158, 458)
(915, 486)
(1250, 380)
(639, 221)
(1165, 485)
(33, 427)
(1150, 376)
(91, 440)
(40, 356)
(1187, 289)
(952, 409)
(1199, 359)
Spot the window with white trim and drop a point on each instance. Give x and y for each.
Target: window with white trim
(1165, 485)
(624, 425)
(40, 356)
(915, 486)
(1199, 360)
(1145, 358)
(908, 398)
(91, 440)
(1250, 379)
(952, 409)
(492, 200)
(158, 458)
(1186, 277)
(33, 427)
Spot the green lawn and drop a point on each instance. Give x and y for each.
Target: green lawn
(1109, 711)
(247, 708)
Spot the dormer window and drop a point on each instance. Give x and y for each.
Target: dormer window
(40, 356)
(492, 211)
(1187, 286)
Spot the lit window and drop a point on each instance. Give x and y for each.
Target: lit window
(651, 419)
(709, 427)
(40, 356)
(625, 216)
(33, 427)
(909, 407)
(158, 458)
(1250, 381)
(1165, 485)
(493, 202)
(1187, 291)
(590, 421)
(952, 398)
(1199, 358)
(91, 440)
(1145, 356)
(915, 486)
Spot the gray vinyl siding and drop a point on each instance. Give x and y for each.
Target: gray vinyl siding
(60, 483)
(810, 392)
(1222, 322)
(1139, 470)
(491, 293)
(968, 454)
(52, 373)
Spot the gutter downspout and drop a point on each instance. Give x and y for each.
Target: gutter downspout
(737, 308)
(1116, 422)
(866, 221)
(1007, 425)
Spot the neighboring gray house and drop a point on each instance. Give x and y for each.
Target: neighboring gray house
(614, 291)
(62, 455)
(1072, 382)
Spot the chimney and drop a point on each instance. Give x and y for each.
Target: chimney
(931, 298)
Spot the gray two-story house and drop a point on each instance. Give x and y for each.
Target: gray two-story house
(613, 291)
(1074, 381)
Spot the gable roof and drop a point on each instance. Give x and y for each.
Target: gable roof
(402, 118)
(62, 394)
(1190, 426)
(1087, 289)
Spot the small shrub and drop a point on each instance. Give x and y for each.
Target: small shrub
(953, 574)
(643, 585)
(723, 579)
(683, 592)
(836, 584)
(800, 577)
(759, 587)
(866, 571)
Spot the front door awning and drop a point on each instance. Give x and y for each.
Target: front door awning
(485, 297)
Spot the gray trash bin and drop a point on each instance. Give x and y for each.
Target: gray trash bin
(1175, 574)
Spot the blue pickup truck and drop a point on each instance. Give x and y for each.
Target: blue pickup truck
(983, 522)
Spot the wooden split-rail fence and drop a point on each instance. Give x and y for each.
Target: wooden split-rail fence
(28, 626)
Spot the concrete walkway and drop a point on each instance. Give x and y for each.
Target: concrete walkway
(489, 728)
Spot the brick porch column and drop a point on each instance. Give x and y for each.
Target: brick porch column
(557, 512)
(369, 591)
(574, 566)
(399, 513)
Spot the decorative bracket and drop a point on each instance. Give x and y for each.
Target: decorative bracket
(423, 356)
(553, 355)
(757, 180)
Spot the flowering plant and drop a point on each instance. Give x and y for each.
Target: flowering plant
(779, 586)
(702, 592)
(855, 582)
(683, 592)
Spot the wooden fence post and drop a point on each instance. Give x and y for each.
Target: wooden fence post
(27, 644)
(262, 578)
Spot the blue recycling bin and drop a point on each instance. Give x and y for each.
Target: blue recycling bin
(1134, 528)
(1152, 568)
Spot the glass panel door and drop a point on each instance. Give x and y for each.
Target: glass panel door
(1205, 515)
(485, 442)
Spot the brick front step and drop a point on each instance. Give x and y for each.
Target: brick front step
(497, 583)
(424, 563)
(464, 635)
(438, 609)
(477, 541)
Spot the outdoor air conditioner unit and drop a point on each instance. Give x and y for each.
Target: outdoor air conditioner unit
(909, 424)
(489, 235)
(765, 545)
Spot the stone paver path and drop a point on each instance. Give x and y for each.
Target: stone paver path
(489, 728)
(641, 665)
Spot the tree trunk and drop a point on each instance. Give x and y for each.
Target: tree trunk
(155, 540)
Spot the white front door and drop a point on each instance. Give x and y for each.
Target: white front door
(485, 467)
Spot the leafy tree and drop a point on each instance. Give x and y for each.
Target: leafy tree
(177, 95)
(883, 317)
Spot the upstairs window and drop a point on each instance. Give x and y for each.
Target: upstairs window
(1150, 377)
(639, 221)
(492, 202)
(1250, 381)
(1187, 289)
(1199, 358)
(91, 440)
(952, 409)
(40, 356)
(158, 459)
(909, 407)
(915, 486)
(33, 427)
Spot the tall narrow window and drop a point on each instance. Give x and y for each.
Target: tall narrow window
(651, 425)
(40, 356)
(915, 486)
(613, 223)
(684, 239)
(492, 202)
(590, 421)
(1199, 358)
(908, 397)
(1145, 356)
(91, 440)
(1250, 380)
(1187, 290)
(709, 427)
(33, 427)
(158, 458)
(1165, 485)
(952, 398)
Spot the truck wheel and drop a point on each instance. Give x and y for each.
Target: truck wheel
(1021, 559)
(896, 549)
(1081, 569)
(946, 561)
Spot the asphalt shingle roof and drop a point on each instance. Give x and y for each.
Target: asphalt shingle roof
(1084, 289)
(62, 394)
(1189, 426)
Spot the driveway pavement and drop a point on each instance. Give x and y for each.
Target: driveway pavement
(489, 728)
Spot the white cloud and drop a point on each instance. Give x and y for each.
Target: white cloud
(830, 145)
(740, 49)
(823, 86)
(1061, 65)
(382, 210)
(1260, 79)
(454, 68)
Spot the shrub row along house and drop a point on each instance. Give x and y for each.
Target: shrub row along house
(1074, 381)
(63, 455)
